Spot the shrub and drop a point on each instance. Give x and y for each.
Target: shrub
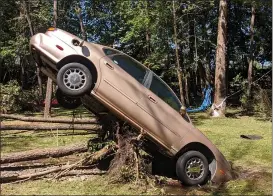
(13, 99)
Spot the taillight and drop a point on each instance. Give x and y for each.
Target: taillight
(59, 47)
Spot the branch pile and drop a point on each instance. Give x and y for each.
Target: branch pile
(117, 141)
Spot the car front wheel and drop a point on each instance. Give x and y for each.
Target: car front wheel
(74, 79)
(192, 168)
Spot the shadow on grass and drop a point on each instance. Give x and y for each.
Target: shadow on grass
(198, 118)
(60, 111)
(81, 111)
(19, 143)
(240, 113)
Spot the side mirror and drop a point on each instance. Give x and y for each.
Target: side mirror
(183, 113)
(183, 110)
(81, 44)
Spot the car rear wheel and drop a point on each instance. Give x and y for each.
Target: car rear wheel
(66, 101)
(74, 79)
(192, 168)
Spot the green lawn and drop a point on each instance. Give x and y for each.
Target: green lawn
(251, 160)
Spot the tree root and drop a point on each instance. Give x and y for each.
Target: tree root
(127, 165)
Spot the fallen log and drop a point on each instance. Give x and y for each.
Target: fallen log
(43, 153)
(5, 179)
(52, 120)
(49, 127)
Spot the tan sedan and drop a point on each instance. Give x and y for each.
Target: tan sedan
(106, 80)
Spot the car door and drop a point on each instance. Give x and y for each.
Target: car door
(163, 106)
(121, 83)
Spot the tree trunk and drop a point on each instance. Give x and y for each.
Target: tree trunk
(179, 74)
(219, 105)
(187, 91)
(52, 120)
(38, 72)
(55, 13)
(43, 153)
(191, 41)
(84, 36)
(195, 48)
(49, 84)
(251, 55)
(42, 126)
(47, 109)
(147, 33)
(40, 85)
(202, 74)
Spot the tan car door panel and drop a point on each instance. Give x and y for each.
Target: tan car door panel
(167, 122)
(156, 122)
(119, 88)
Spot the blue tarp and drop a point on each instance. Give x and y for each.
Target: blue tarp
(206, 102)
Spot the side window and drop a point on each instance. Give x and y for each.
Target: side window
(108, 51)
(159, 88)
(132, 67)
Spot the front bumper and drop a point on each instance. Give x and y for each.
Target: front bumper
(222, 173)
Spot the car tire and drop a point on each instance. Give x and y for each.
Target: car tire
(67, 102)
(192, 168)
(74, 79)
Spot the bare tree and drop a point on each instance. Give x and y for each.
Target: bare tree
(219, 105)
(38, 71)
(251, 55)
(78, 10)
(179, 74)
(49, 85)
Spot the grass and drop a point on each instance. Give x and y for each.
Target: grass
(92, 186)
(250, 158)
(16, 141)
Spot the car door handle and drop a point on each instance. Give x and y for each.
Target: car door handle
(108, 65)
(151, 99)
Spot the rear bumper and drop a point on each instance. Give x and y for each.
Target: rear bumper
(44, 47)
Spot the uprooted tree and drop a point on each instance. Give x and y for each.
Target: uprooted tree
(129, 159)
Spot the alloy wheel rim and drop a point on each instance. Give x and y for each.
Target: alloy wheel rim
(194, 168)
(74, 79)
